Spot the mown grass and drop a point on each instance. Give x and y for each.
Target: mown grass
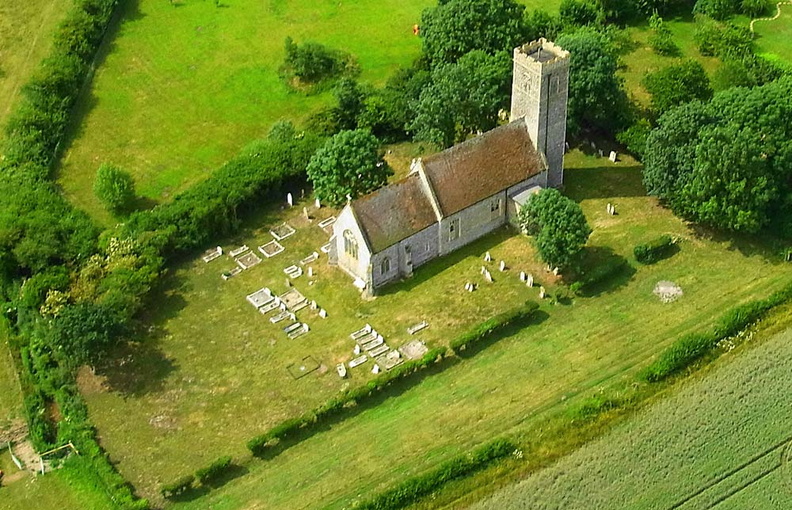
(718, 440)
(69, 488)
(774, 38)
(180, 89)
(25, 37)
(210, 384)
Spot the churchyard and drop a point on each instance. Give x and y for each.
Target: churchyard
(216, 372)
(710, 458)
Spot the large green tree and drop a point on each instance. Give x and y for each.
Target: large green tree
(727, 163)
(677, 84)
(463, 98)
(597, 99)
(456, 27)
(558, 225)
(349, 164)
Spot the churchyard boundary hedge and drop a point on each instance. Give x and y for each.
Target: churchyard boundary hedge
(493, 325)
(412, 489)
(177, 488)
(691, 347)
(599, 274)
(214, 470)
(654, 250)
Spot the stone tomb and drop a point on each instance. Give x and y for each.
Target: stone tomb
(414, 349)
(293, 300)
(282, 231)
(271, 249)
(248, 260)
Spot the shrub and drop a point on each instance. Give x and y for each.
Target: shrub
(635, 137)
(654, 250)
(177, 488)
(312, 62)
(679, 355)
(213, 470)
(492, 325)
(599, 274)
(412, 489)
(593, 407)
(661, 39)
(753, 8)
(115, 188)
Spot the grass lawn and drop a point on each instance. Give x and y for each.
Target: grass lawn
(774, 38)
(723, 440)
(179, 90)
(10, 394)
(25, 37)
(213, 372)
(68, 488)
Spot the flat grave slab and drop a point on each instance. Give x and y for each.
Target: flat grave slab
(414, 349)
(260, 298)
(238, 251)
(271, 249)
(212, 254)
(327, 223)
(231, 273)
(390, 360)
(358, 361)
(282, 231)
(248, 260)
(292, 298)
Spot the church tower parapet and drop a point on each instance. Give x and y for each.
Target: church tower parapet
(539, 93)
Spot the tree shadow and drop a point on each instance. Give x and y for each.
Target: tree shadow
(604, 182)
(535, 319)
(599, 258)
(230, 474)
(765, 245)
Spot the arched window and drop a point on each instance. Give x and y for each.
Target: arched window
(350, 244)
(385, 265)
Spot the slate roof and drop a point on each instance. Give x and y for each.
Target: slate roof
(394, 212)
(482, 166)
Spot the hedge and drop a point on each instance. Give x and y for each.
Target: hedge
(412, 489)
(599, 274)
(654, 250)
(691, 347)
(490, 326)
(213, 470)
(177, 488)
(259, 444)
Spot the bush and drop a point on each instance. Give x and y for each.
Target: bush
(654, 250)
(412, 489)
(312, 62)
(634, 137)
(753, 8)
(213, 470)
(115, 188)
(593, 407)
(599, 274)
(679, 355)
(492, 325)
(661, 40)
(177, 488)
(716, 9)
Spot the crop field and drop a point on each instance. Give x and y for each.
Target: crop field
(213, 372)
(722, 442)
(181, 88)
(25, 28)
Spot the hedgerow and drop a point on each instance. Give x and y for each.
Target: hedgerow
(689, 348)
(412, 489)
(178, 487)
(598, 274)
(214, 470)
(492, 325)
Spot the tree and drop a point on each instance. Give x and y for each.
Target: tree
(313, 62)
(456, 27)
(661, 40)
(115, 188)
(463, 98)
(349, 164)
(581, 13)
(85, 331)
(597, 99)
(350, 98)
(540, 23)
(559, 226)
(677, 84)
(726, 163)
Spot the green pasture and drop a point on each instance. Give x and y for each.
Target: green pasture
(25, 36)
(774, 38)
(721, 441)
(213, 371)
(179, 89)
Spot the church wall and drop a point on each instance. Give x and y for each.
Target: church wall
(511, 207)
(472, 223)
(423, 247)
(357, 267)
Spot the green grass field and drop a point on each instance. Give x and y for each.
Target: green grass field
(720, 442)
(179, 90)
(25, 28)
(10, 395)
(214, 372)
(774, 38)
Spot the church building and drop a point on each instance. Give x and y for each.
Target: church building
(451, 198)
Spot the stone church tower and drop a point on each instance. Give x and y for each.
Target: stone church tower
(539, 93)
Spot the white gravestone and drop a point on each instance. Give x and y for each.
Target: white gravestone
(502, 266)
(317, 204)
(289, 199)
(487, 257)
(376, 369)
(323, 313)
(613, 156)
(522, 276)
(488, 276)
(310, 272)
(529, 280)
(357, 350)
(541, 293)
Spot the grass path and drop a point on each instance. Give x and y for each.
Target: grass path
(717, 442)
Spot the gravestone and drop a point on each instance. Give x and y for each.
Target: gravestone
(502, 266)
(613, 156)
(487, 276)
(522, 276)
(305, 213)
(542, 293)
(310, 272)
(529, 280)
(376, 369)
(357, 350)
(322, 313)
(487, 257)
(289, 199)
(601, 153)
(317, 204)
(314, 306)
